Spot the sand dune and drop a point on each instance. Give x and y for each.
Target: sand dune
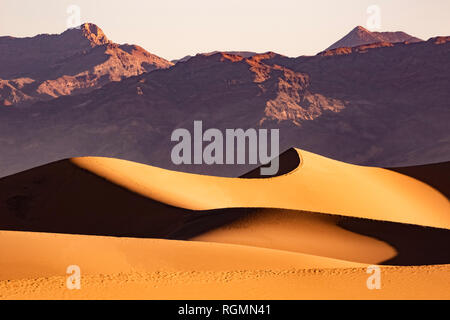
(312, 230)
(44, 255)
(123, 268)
(302, 232)
(111, 197)
(319, 184)
(432, 174)
(90, 187)
(348, 238)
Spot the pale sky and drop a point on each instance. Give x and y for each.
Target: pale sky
(175, 28)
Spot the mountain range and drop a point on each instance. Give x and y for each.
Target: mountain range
(360, 36)
(384, 104)
(245, 54)
(79, 60)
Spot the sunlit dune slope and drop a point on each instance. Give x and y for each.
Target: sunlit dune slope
(33, 254)
(319, 184)
(434, 174)
(116, 197)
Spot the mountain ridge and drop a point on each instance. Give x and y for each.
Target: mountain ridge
(387, 107)
(361, 36)
(76, 61)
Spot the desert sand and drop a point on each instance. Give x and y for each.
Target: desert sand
(141, 232)
(124, 268)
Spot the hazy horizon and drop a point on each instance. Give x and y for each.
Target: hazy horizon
(173, 29)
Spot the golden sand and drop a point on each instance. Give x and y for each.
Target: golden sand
(282, 251)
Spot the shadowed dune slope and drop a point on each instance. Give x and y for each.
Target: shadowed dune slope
(288, 161)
